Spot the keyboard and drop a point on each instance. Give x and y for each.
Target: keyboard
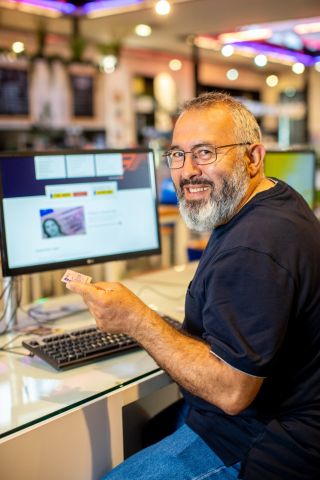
(77, 347)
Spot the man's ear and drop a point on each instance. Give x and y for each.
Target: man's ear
(255, 154)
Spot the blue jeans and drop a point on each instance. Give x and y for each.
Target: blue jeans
(180, 456)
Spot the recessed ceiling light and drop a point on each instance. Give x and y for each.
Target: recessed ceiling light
(232, 74)
(298, 68)
(108, 63)
(260, 60)
(163, 7)
(143, 30)
(17, 47)
(272, 80)
(175, 64)
(227, 50)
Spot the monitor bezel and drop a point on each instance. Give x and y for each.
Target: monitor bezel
(8, 271)
(298, 150)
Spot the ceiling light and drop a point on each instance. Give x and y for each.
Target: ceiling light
(206, 42)
(163, 7)
(298, 68)
(108, 63)
(102, 8)
(48, 8)
(272, 80)
(17, 47)
(33, 9)
(232, 74)
(227, 50)
(143, 30)
(246, 35)
(304, 28)
(175, 64)
(260, 60)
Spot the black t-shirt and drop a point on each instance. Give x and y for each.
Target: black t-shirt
(255, 298)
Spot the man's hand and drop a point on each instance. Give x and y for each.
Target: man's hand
(114, 307)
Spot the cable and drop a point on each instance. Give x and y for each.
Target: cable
(18, 353)
(6, 306)
(4, 290)
(14, 289)
(4, 346)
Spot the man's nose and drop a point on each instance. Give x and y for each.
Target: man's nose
(190, 166)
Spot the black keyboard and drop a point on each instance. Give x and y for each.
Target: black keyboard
(83, 345)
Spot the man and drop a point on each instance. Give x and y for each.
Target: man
(248, 361)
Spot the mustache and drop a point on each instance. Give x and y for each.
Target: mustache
(195, 181)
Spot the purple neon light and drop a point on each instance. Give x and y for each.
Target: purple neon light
(307, 60)
(66, 8)
(108, 4)
(69, 8)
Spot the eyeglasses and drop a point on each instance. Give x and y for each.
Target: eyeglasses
(202, 155)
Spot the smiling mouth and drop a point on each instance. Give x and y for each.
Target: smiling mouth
(197, 189)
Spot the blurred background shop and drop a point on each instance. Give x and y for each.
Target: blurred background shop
(113, 74)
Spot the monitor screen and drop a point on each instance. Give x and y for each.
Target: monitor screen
(296, 168)
(62, 209)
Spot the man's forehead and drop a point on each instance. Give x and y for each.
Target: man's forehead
(203, 125)
(213, 115)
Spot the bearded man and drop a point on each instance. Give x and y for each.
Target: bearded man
(248, 357)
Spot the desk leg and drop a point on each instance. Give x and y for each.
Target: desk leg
(114, 414)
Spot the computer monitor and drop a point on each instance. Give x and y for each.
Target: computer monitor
(295, 167)
(69, 208)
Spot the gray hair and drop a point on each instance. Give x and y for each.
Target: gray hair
(246, 126)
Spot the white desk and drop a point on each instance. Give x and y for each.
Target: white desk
(69, 425)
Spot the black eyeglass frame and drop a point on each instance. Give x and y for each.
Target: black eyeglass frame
(166, 155)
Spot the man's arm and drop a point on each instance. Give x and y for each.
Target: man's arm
(187, 360)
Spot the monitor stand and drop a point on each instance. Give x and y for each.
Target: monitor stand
(10, 304)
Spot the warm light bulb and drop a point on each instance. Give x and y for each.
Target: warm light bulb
(108, 63)
(317, 66)
(298, 68)
(175, 64)
(272, 80)
(227, 50)
(162, 7)
(17, 47)
(232, 74)
(260, 60)
(143, 30)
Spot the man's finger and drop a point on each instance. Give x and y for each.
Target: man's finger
(81, 288)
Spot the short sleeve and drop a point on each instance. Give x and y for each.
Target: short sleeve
(249, 299)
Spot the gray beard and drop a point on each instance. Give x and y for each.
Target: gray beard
(222, 205)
